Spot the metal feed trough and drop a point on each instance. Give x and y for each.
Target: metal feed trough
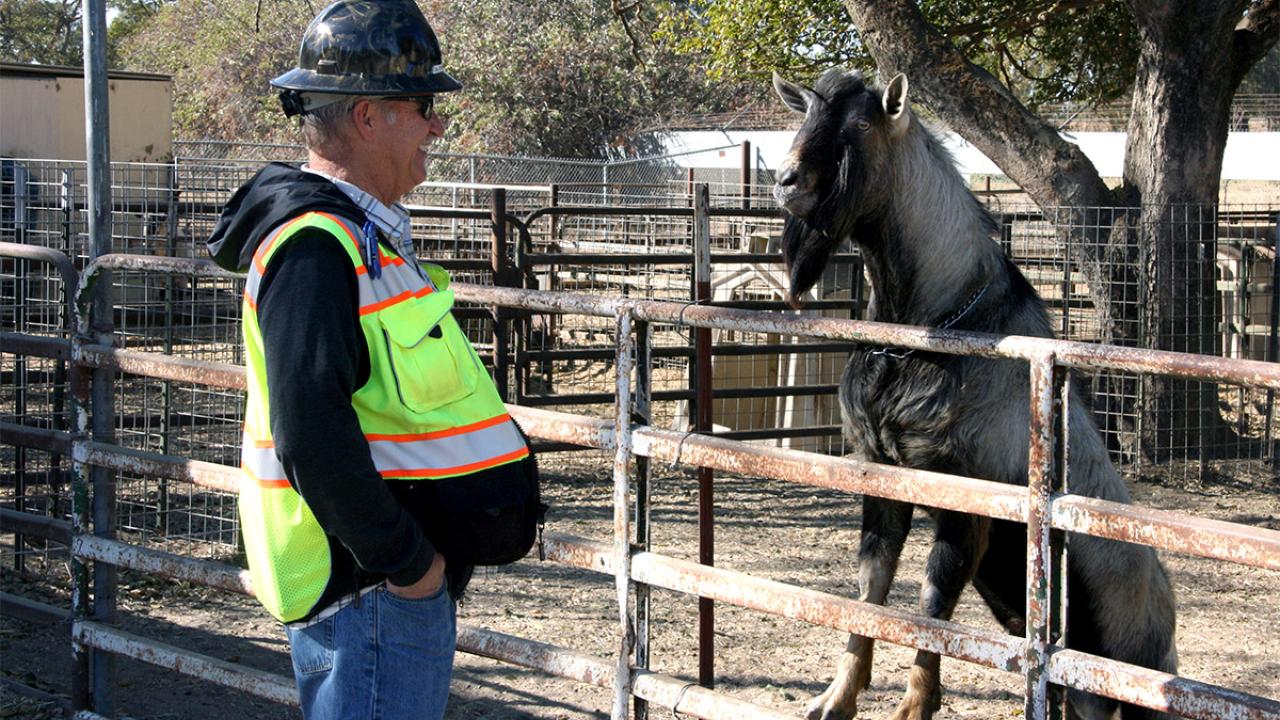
(96, 551)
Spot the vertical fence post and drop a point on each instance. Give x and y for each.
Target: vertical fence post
(551, 327)
(642, 414)
(170, 287)
(703, 423)
(1273, 342)
(61, 420)
(21, 220)
(745, 178)
(1040, 469)
(1058, 538)
(621, 516)
(499, 265)
(98, 154)
(67, 206)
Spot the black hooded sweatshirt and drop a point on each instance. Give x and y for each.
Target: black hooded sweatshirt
(316, 358)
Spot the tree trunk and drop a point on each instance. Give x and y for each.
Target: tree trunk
(1177, 133)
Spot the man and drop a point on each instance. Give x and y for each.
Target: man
(363, 391)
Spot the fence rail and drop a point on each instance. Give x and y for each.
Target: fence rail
(1035, 656)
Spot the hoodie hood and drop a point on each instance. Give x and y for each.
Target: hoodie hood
(278, 192)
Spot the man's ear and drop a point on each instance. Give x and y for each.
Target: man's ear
(365, 118)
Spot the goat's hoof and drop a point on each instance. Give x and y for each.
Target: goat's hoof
(918, 706)
(827, 707)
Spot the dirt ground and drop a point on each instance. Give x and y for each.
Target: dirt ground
(1228, 614)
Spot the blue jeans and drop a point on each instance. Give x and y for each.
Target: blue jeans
(382, 658)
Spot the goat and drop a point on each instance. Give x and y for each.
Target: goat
(863, 168)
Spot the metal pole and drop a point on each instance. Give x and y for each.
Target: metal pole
(703, 423)
(1040, 471)
(21, 180)
(1273, 342)
(641, 415)
(498, 262)
(551, 328)
(745, 178)
(1058, 539)
(621, 517)
(170, 287)
(98, 155)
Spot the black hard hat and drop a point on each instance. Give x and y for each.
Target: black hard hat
(381, 48)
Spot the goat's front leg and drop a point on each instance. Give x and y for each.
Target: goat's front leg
(885, 524)
(958, 545)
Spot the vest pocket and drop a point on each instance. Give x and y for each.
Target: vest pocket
(431, 361)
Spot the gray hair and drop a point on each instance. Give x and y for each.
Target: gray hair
(324, 125)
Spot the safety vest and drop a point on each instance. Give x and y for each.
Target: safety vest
(429, 410)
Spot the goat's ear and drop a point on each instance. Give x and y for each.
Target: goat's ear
(895, 104)
(793, 96)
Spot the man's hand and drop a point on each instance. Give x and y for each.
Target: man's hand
(428, 585)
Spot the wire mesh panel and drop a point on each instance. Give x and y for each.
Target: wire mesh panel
(1194, 279)
(33, 389)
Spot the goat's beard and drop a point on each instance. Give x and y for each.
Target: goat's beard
(806, 251)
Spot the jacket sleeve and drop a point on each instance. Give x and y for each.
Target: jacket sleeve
(316, 358)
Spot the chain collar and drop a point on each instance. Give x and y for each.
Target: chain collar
(899, 353)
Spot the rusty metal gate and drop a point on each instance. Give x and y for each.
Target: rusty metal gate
(91, 361)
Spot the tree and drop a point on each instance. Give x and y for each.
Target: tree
(553, 79)
(40, 31)
(48, 32)
(221, 56)
(1033, 47)
(1182, 61)
(564, 79)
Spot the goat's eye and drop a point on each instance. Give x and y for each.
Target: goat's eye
(863, 125)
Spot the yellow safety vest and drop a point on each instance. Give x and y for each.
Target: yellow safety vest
(429, 410)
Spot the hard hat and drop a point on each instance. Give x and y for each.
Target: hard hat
(381, 48)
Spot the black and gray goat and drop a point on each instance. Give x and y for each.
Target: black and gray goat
(863, 168)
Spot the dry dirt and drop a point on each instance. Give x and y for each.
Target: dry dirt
(1227, 614)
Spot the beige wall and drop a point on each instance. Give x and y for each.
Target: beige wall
(43, 118)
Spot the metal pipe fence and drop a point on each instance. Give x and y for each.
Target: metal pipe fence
(1037, 657)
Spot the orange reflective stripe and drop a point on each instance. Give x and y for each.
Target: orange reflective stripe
(275, 237)
(354, 242)
(406, 295)
(458, 470)
(249, 301)
(460, 430)
(265, 249)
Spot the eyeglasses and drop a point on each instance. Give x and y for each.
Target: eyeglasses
(426, 104)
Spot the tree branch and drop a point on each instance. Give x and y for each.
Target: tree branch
(622, 11)
(1032, 18)
(1053, 171)
(1254, 37)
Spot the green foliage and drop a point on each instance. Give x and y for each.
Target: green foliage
(753, 38)
(49, 32)
(561, 79)
(221, 56)
(550, 79)
(40, 31)
(1044, 50)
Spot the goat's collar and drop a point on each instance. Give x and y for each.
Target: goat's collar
(946, 324)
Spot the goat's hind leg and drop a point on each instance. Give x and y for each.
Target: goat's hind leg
(885, 524)
(958, 544)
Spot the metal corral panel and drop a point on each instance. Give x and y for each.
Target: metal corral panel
(42, 114)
